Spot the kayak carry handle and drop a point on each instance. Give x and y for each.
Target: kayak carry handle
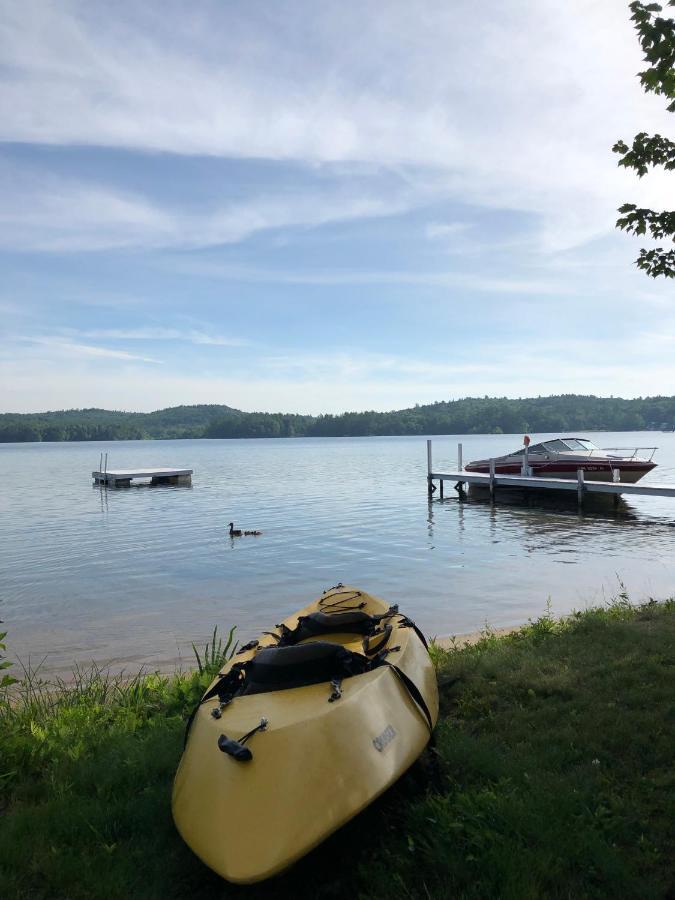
(236, 749)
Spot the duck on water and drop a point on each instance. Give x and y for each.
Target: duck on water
(237, 532)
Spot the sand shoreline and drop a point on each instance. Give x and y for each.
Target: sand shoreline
(472, 637)
(133, 667)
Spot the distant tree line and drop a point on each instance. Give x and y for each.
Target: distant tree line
(109, 425)
(472, 415)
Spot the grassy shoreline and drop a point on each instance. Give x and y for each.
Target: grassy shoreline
(552, 778)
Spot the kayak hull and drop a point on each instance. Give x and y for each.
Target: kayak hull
(315, 766)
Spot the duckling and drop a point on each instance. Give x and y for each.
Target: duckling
(237, 532)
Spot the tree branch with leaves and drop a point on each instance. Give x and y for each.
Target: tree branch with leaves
(657, 39)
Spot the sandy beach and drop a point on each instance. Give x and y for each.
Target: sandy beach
(472, 637)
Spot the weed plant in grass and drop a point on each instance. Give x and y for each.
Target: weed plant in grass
(552, 778)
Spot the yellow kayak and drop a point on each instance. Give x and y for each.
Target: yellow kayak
(300, 731)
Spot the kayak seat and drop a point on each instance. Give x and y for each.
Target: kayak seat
(281, 668)
(318, 623)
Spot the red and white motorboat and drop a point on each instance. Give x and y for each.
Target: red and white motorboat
(563, 457)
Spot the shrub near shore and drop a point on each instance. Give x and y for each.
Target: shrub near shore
(552, 778)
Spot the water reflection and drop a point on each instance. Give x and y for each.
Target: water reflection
(544, 517)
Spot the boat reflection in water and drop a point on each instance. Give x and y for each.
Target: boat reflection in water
(552, 522)
(595, 505)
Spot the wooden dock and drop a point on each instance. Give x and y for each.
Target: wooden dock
(580, 484)
(124, 477)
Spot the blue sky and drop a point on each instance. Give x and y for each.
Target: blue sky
(315, 207)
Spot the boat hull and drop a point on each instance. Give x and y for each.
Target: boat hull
(316, 765)
(629, 473)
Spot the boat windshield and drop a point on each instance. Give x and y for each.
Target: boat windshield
(535, 448)
(559, 445)
(580, 444)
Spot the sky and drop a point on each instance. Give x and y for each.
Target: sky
(317, 207)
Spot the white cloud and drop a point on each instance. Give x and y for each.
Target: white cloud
(69, 349)
(43, 213)
(164, 334)
(339, 381)
(366, 366)
(377, 109)
(435, 230)
(39, 390)
(468, 281)
(512, 106)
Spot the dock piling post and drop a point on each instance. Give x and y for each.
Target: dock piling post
(492, 479)
(430, 486)
(580, 486)
(459, 457)
(441, 493)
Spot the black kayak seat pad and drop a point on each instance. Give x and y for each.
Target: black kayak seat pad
(281, 668)
(317, 623)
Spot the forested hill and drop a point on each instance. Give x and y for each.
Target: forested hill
(472, 415)
(109, 425)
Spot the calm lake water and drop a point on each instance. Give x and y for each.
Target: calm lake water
(131, 576)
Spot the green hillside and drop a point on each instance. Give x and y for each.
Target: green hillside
(471, 415)
(110, 425)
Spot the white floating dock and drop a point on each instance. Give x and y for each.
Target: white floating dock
(580, 484)
(124, 477)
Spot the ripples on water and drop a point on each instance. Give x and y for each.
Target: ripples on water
(134, 575)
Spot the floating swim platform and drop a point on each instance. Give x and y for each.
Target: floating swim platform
(124, 477)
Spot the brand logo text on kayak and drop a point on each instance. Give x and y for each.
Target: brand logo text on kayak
(387, 736)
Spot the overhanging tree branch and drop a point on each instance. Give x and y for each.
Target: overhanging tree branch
(646, 151)
(657, 262)
(657, 39)
(643, 221)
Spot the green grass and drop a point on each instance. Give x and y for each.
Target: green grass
(553, 777)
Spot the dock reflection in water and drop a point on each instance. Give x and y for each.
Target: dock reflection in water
(556, 521)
